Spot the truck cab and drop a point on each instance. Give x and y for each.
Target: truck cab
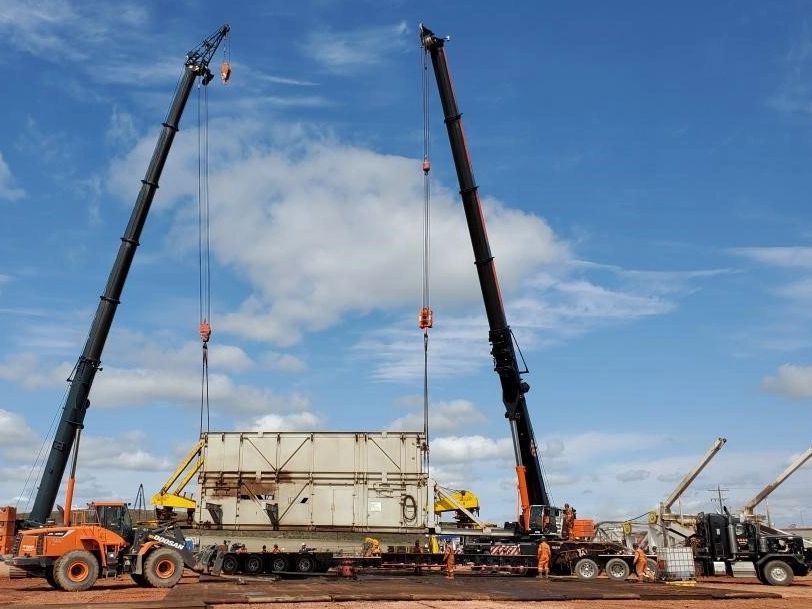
(725, 544)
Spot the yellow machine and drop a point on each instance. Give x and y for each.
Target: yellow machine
(464, 504)
(182, 475)
(371, 547)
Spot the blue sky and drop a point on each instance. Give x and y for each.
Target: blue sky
(645, 172)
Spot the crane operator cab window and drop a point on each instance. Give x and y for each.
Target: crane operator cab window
(116, 518)
(545, 520)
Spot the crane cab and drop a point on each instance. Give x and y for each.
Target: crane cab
(546, 520)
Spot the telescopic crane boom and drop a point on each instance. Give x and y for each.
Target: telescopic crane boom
(532, 489)
(747, 510)
(81, 381)
(691, 476)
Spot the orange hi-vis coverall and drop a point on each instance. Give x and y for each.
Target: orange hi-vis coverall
(449, 559)
(640, 563)
(544, 558)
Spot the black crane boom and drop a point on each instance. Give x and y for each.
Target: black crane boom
(500, 335)
(81, 381)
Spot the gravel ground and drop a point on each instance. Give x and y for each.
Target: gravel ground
(35, 592)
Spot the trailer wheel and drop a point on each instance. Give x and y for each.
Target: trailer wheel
(230, 564)
(617, 569)
(140, 580)
(163, 568)
(49, 577)
(651, 565)
(278, 564)
(77, 570)
(778, 573)
(586, 568)
(305, 564)
(253, 564)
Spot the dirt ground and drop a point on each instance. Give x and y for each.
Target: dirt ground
(35, 592)
(797, 596)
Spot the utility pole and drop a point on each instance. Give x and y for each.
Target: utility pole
(719, 497)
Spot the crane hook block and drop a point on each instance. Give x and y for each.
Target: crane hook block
(426, 166)
(426, 318)
(205, 331)
(225, 72)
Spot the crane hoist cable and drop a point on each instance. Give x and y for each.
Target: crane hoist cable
(225, 67)
(204, 247)
(425, 318)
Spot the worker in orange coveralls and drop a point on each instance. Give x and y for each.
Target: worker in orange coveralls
(569, 521)
(449, 559)
(544, 559)
(640, 563)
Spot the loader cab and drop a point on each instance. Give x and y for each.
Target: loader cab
(114, 516)
(546, 520)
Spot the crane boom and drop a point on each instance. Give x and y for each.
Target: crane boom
(748, 508)
(81, 381)
(532, 489)
(691, 476)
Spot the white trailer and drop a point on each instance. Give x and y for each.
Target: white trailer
(357, 481)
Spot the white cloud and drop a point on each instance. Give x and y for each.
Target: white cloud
(117, 387)
(123, 452)
(357, 48)
(784, 256)
(444, 417)
(14, 431)
(284, 362)
(791, 381)
(64, 31)
(289, 422)
(794, 94)
(8, 190)
(335, 230)
(146, 373)
(562, 301)
(281, 80)
(121, 130)
(446, 450)
(632, 475)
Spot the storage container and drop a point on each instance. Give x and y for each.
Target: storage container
(676, 564)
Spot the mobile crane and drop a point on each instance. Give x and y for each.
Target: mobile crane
(775, 557)
(103, 541)
(537, 518)
(533, 493)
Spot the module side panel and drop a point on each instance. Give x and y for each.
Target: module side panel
(360, 481)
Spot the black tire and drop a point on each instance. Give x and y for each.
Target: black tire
(139, 579)
(586, 569)
(49, 577)
(163, 567)
(778, 573)
(230, 564)
(617, 569)
(253, 564)
(279, 564)
(76, 570)
(652, 566)
(305, 563)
